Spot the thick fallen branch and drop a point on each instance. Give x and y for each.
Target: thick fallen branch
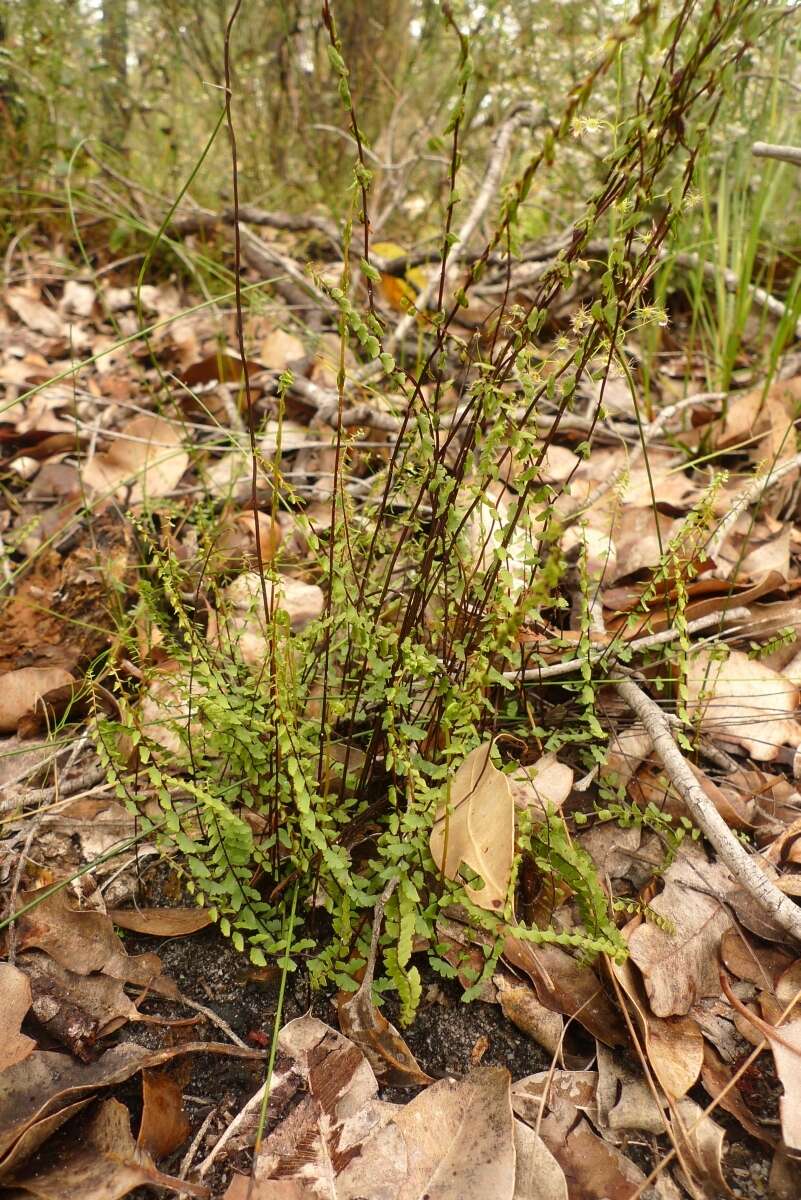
(788, 154)
(743, 866)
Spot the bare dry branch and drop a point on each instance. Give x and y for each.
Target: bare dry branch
(743, 866)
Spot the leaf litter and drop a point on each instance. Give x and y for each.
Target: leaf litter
(662, 1020)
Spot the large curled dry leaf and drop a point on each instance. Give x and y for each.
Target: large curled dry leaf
(475, 826)
(744, 701)
(148, 454)
(21, 690)
(105, 1165)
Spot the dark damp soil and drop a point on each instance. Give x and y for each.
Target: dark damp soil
(447, 1037)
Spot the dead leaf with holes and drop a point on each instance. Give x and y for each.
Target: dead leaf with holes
(475, 826)
(104, 1165)
(147, 455)
(742, 700)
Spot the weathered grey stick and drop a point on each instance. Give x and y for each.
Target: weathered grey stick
(743, 866)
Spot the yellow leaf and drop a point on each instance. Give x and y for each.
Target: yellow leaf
(477, 828)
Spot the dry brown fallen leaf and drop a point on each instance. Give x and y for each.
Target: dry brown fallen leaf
(568, 987)
(84, 942)
(148, 453)
(761, 423)
(378, 1039)
(700, 1142)
(541, 787)
(75, 1009)
(454, 1141)
(236, 548)
(15, 1000)
(459, 1138)
(105, 1165)
(21, 690)
(478, 830)
(78, 298)
(520, 1005)
(674, 1048)
(679, 964)
(744, 701)
(161, 922)
(240, 625)
(625, 1101)
(164, 1125)
(38, 1094)
(593, 1169)
(717, 1078)
(538, 1175)
(785, 1042)
(279, 349)
(30, 309)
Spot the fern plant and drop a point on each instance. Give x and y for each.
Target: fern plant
(321, 773)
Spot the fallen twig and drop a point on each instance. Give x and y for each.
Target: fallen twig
(743, 866)
(649, 642)
(751, 493)
(788, 154)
